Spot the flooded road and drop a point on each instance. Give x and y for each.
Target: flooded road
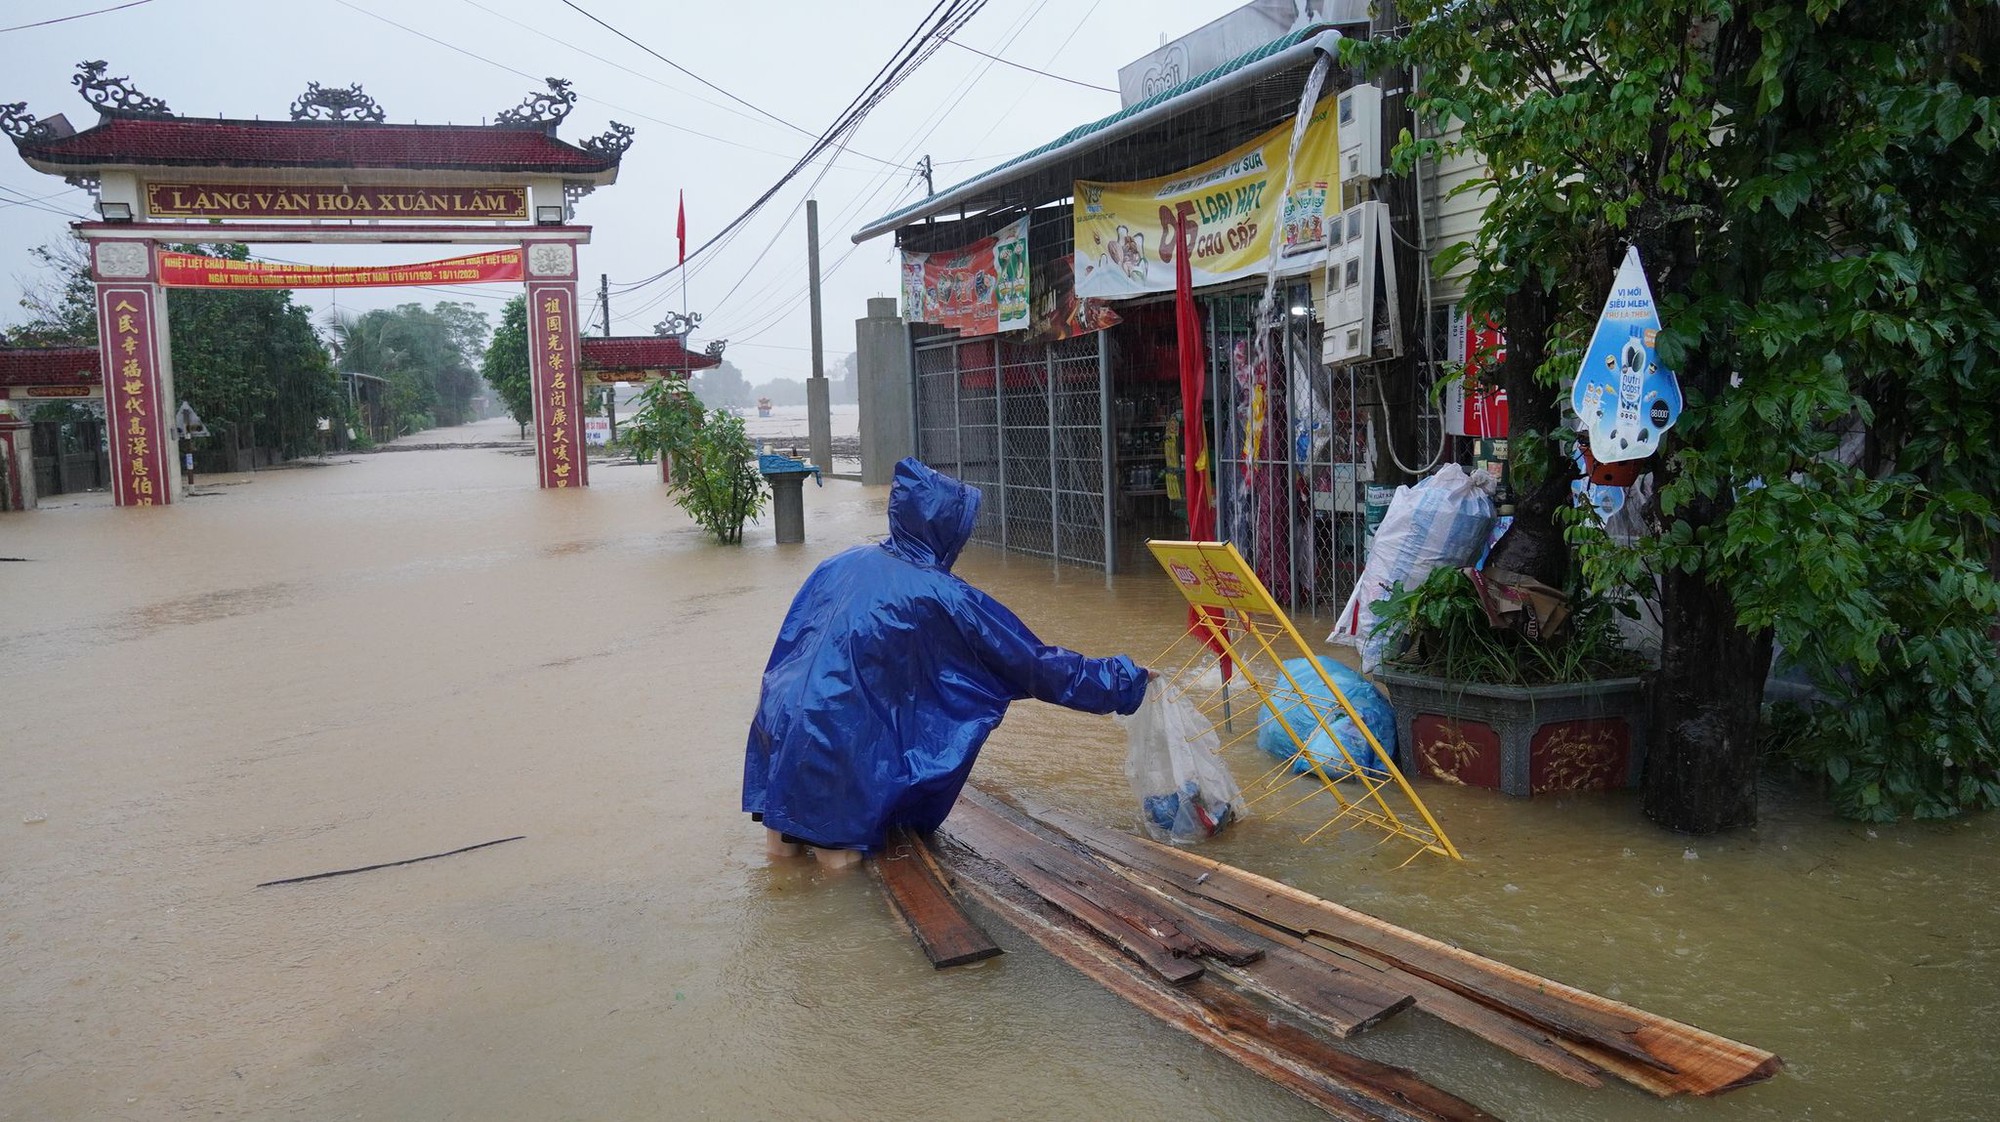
(329, 667)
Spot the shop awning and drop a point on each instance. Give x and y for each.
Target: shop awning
(1177, 127)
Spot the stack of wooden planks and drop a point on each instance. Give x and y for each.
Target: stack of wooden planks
(1267, 974)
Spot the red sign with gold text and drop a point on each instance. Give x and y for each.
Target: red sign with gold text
(192, 270)
(558, 392)
(139, 458)
(333, 200)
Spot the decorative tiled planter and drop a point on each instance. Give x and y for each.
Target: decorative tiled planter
(1520, 740)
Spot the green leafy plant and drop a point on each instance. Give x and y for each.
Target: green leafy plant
(711, 469)
(1444, 633)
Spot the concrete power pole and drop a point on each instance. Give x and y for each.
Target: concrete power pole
(819, 413)
(610, 391)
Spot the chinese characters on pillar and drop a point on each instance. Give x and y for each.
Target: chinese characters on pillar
(139, 459)
(558, 400)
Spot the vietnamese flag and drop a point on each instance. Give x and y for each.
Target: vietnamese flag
(681, 227)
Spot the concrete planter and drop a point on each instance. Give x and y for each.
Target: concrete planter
(1520, 740)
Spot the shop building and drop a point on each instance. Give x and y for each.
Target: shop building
(1061, 398)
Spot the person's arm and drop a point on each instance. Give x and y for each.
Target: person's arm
(1057, 675)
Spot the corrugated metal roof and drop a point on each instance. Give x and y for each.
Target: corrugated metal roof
(1295, 49)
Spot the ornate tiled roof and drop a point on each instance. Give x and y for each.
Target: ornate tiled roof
(198, 142)
(641, 352)
(48, 366)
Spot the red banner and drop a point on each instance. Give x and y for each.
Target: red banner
(139, 459)
(191, 270)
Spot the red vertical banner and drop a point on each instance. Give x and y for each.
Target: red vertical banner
(134, 411)
(558, 394)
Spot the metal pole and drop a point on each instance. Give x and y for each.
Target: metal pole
(1055, 481)
(819, 419)
(1105, 444)
(610, 391)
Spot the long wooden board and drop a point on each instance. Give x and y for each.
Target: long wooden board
(918, 892)
(1657, 1053)
(1146, 924)
(1346, 1086)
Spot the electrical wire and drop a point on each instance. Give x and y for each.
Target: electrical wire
(944, 19)
(759, 110)
(625, 110)
(1030, 69)
(79, 15)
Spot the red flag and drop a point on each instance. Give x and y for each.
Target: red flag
(681, 227)
(1194, 431)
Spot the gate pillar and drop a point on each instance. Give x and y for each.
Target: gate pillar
(132, 348)
(560, 458)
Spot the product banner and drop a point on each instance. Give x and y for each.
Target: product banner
(979, 289)
(192, 270)
(1624, 399)
(1124, 233)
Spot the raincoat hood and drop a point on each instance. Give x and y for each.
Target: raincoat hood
(930, 514)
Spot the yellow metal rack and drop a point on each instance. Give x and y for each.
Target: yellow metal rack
(1236, 619)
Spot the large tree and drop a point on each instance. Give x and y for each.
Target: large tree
(1813, 186)
(505, 365)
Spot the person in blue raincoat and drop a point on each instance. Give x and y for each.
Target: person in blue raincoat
(887, 676)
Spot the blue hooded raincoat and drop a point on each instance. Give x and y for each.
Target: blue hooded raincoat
(888, 674)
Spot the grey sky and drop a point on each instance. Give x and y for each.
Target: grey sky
(799, 61)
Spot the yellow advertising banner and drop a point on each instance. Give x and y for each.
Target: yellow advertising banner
(1125, 231)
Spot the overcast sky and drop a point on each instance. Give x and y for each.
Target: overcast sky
(798, 61)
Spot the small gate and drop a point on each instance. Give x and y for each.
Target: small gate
(69, 456)
(1025, 424)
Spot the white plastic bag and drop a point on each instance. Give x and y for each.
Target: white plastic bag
(1185, 790)
(1442, 521)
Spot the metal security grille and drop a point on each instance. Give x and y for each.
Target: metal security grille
(1296, 452)
(1024, 423)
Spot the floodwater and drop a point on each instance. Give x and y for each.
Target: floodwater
(402, 654)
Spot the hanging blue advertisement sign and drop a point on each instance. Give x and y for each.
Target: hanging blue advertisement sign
(1624, 400)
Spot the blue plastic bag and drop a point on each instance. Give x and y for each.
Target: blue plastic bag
(1291, 704)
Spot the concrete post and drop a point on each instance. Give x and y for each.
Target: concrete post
(560, 459)
(131, 341)
(819, 397)
(882, 360)
(788, 505)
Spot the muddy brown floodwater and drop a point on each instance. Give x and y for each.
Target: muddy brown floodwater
(322, 668)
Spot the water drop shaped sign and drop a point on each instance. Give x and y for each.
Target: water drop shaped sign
(1623, 398)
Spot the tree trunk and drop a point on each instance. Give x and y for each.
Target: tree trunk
(1702, 755)
(1534, 546)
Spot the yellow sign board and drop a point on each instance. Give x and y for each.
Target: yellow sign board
(1261, 646)
(1124, 232)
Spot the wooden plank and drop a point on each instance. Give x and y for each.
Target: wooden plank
(909, 879)
(1490, 1025)
(1619, 1038)
(1347, 1087)
(1006, 845)
(1305, 915)
(1342, 1002)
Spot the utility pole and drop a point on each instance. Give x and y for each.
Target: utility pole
(610, 391)
(924, 171)
(819, 416)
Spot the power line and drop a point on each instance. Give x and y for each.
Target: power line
(1030, 69)
(620, 66)
(79, 15)
(758, 109)
(532, 78)
(944, 19)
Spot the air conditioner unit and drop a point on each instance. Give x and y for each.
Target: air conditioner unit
(1359, 121)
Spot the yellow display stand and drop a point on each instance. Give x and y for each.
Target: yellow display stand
(1238, 620)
